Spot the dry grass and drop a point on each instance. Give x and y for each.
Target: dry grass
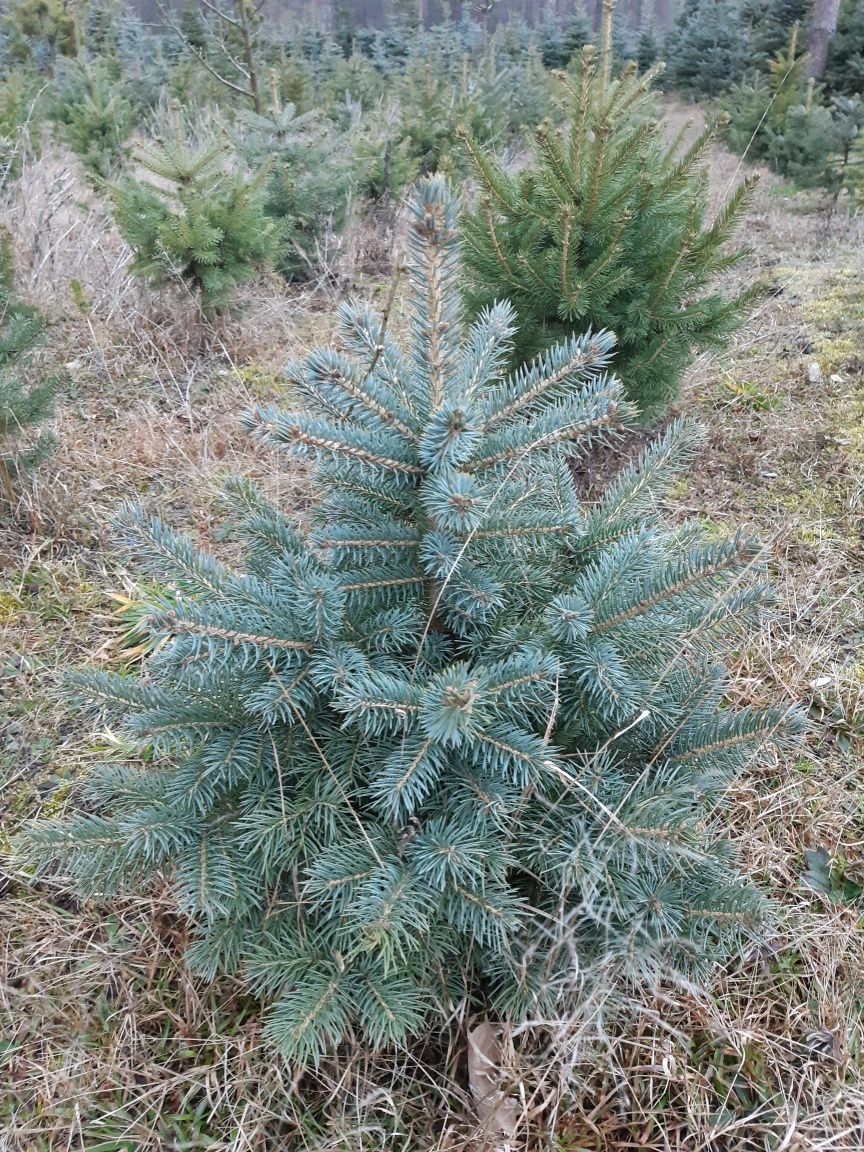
(106, 1040)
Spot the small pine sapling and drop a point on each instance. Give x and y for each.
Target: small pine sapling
(463, 741)
(23, 403)
(647, 49)
(780, 117)
(383, 161)
(562, 39)
(93, 115)
(308, 186)
(606, 228)
(202, 225)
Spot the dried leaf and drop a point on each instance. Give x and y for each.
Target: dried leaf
(497, 1111)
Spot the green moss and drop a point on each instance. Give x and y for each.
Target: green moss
(836, 313)
(11, 607)
(679, 489)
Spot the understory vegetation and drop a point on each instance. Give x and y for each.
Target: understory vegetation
(430, 578)
(752, 59)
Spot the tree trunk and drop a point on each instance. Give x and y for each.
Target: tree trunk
(249, 55)
(606, 42)
(822, 31)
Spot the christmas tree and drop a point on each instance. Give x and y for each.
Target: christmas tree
(561, 39)
(708, 48)
(845, 72)
(769, 24)
(307, 187)
(464, 737)
(606, 229)
(780, 117)
(94, 115)
(208, 229)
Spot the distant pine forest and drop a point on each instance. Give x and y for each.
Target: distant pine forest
(378, 13)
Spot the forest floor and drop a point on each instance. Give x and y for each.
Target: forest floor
(105, 1041)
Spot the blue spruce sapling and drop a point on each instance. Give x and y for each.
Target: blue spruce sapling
(461, 739)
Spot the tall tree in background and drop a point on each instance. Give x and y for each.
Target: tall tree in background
(825, 13)
(230, 40)
(845, 71)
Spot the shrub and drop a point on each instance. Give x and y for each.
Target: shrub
(605, 229)
(23, 404)
(207, 229)
(462, 738)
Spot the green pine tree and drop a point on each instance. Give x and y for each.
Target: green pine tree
(23, 404)
(208, 229)
(769, 24)
(561, 40)
(93, 114)
(708, 49)
(647, 50)
(605, 229)
(463, 737)
(308, 185)
(780, 117)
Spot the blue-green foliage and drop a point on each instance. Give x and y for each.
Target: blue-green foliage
(308, 184)
(464, 736)
(26, 395)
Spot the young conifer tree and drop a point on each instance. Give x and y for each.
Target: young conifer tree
(844, 75)
(464, 736)
(708, 48)
(93, 114)
(207, 228)
(24, 404)
(308, 186)
(606, 228)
